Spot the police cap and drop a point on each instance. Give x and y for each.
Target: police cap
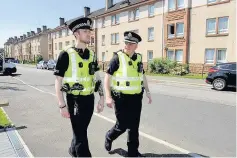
(82, 23)
(132, 37)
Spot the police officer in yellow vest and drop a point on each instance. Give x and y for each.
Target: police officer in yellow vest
(124, 86)
(75, 75)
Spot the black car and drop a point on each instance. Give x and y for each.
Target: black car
(222, 76)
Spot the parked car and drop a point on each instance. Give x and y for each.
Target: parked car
(41, 65)
(222, 76)
(51, 64)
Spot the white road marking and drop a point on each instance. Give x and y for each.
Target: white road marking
(19, 137)
(186, 83)
(174, 147)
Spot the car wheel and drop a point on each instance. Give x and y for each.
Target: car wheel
(219, 84)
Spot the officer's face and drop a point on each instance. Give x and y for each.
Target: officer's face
(130, 47)
(83, 35)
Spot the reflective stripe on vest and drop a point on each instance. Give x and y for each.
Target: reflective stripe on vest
(127, 74)
(74, 74)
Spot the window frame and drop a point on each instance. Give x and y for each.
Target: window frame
(176, 35)
(103, 40)
(116, 42)
(217, 2)
(176, 8)
(217, 33)
(149, 28)
(149, 10)
(134, 13)
(174, 55)
(215, 55)
(148, 55)
(116, 18)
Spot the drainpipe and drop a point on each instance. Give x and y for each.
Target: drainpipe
(163, 29)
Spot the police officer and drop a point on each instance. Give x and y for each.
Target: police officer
(127, 86)
(75, 75)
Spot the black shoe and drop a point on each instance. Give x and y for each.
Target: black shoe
(134, 154)
(108, 144)
(71, 153)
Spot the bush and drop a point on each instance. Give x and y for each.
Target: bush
(39, 58)
(166, 66)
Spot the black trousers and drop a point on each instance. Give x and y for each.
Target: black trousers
(128, 112)
(80, 121)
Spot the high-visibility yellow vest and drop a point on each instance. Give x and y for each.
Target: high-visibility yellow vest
(127, 79)
(76, 74)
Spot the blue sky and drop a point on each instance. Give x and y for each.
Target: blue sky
(18, 17)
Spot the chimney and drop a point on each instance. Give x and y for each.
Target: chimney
(32, 33)
(15, 38)
(61, 21)
(108, 4)
(44, 28)
(24, 35)
(28, 34)
(86, 11)
(38, 30)
(21, 37)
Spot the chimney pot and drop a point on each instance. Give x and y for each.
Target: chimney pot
(28, 34)
(108, 4)
(44, 28)
(61, 21)
(86, 11)
(38, 30)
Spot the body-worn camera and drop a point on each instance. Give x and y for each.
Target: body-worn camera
(92, 68)
(140, 67)
(65, 87)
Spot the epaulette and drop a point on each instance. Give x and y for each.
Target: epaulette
(117, 51)
(67, 47)
(139, 54)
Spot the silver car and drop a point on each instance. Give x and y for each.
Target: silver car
(41, 65)
(51, 64)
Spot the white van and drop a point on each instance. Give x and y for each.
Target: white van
(7, 65)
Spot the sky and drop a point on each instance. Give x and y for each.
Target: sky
(17, 17)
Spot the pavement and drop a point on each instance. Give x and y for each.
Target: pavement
(183, 120)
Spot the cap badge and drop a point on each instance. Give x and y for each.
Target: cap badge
(88, 22)
(129, 35)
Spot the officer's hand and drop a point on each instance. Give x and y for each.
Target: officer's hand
(100, 106)
(149, 97)
(64, 112)
(109, 102)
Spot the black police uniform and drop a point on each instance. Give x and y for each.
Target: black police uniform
(127, 110)
(80, 121)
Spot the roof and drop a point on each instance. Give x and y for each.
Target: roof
(102, 11)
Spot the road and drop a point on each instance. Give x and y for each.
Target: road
(183, 118)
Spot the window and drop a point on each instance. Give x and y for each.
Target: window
(216, 1)
(171, 5)
(50, 46)
(150, 55)
(103, 40)
(103, 56)
(114, 38)
(209, 56)
(223, 25)
(179, 55)
(180, 4)
(170, 55)
(67, 43)
(211, 26)
(171, 31)
(151, 10)
(115, 19)
(151, 34)
(60, 46)
(103, 22)
(221, 55)
(133, 15)
(217, 26)
(179, 29)
(67, 32)
(60, 33)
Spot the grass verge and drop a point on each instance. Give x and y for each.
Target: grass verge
(3, 119)
(191, 76)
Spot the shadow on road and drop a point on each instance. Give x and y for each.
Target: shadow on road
(11, 128)
(123, 153)
(228, 89)
(12, 75)
(11, 88)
